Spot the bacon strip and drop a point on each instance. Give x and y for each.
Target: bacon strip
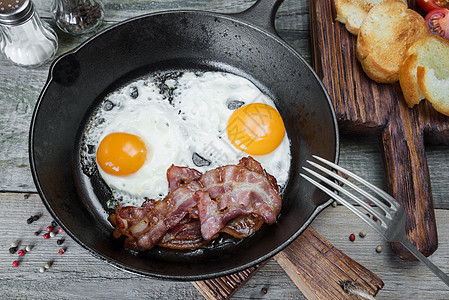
(178, 176)
(144, 227)
(233, 191)
(235, 199)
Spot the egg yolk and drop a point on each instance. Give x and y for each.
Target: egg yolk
(121, 153)
(256, 128)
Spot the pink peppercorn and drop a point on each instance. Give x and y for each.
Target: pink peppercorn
(21, 252)
(15, 263)
(46, 236)
(49, 229)
(61, 251)
(60, 230)
(352, 237)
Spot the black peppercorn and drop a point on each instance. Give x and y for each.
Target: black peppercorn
(60, 241)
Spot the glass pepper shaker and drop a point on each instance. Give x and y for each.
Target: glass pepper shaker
(78, 16)
(25, 39)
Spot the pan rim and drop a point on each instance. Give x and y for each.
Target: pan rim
(120, 265)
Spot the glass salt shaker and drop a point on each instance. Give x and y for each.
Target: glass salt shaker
(77, 17)
(25, 39)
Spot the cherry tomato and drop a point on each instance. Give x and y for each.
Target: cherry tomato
(438, 22)
(429, 5)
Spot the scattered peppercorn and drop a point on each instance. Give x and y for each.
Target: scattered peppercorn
(60, 230)
(46, 236)
(61, 251)
(21, 252)
(28, 248)
(35, 218)
(15, 244)
(53, 224)
(49, 228)
(47, 265)
(30, 220)
(15, 263)
(379, 249)
(13, 250)
(374, 218)
(334, 204)
(352, 237)
(36, 233)
(362, 233)
(265, 290)
(52, 234)
(26, 196)
(60, 241)
(42, 269)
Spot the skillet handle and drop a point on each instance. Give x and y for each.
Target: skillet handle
(262, 14)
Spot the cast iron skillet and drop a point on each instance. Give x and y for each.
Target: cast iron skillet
(245, 44)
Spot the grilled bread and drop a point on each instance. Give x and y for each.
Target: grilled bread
(431, 53)
(353, 12)
(430, 67)
(386, 33)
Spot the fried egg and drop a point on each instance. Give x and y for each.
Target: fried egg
(200, 120)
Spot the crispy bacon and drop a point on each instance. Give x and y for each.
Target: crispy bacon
(235, 199)
(178, 176)
(185, 235)
(144, 228)
(234, 191)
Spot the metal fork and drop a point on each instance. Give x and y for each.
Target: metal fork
(390, 219)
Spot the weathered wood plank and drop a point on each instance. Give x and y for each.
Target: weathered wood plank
(313, 263)
(225, 287)
(365, 106)
(78, 275)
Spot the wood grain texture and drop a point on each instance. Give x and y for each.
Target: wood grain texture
(226, 286)
(366, 107)
(79, 275)
(321, 271)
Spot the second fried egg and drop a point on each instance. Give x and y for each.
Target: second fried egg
(177, 118)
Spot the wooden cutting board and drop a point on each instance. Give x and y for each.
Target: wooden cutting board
(318, 269)
(366, 107)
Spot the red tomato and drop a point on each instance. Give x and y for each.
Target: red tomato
(438, 22)
(429, 5)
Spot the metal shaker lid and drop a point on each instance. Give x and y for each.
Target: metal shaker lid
(15, 12)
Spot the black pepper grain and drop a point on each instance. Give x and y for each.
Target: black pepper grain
(13, 250)
(30, 220)
(35, 218)
(60, 241)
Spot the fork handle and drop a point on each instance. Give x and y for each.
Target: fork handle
(443, 276)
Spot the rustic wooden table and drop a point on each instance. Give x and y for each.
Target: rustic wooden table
(78, 275)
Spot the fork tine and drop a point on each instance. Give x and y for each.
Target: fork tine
(357, 189)
(393, 203)
(350, 195)
(348, 205)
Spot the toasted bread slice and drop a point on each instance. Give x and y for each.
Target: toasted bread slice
(432, 71)
(352, 12)
(386, 33)
(431, 51)
(409, 82)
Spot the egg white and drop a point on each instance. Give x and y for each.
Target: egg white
(177, 117)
